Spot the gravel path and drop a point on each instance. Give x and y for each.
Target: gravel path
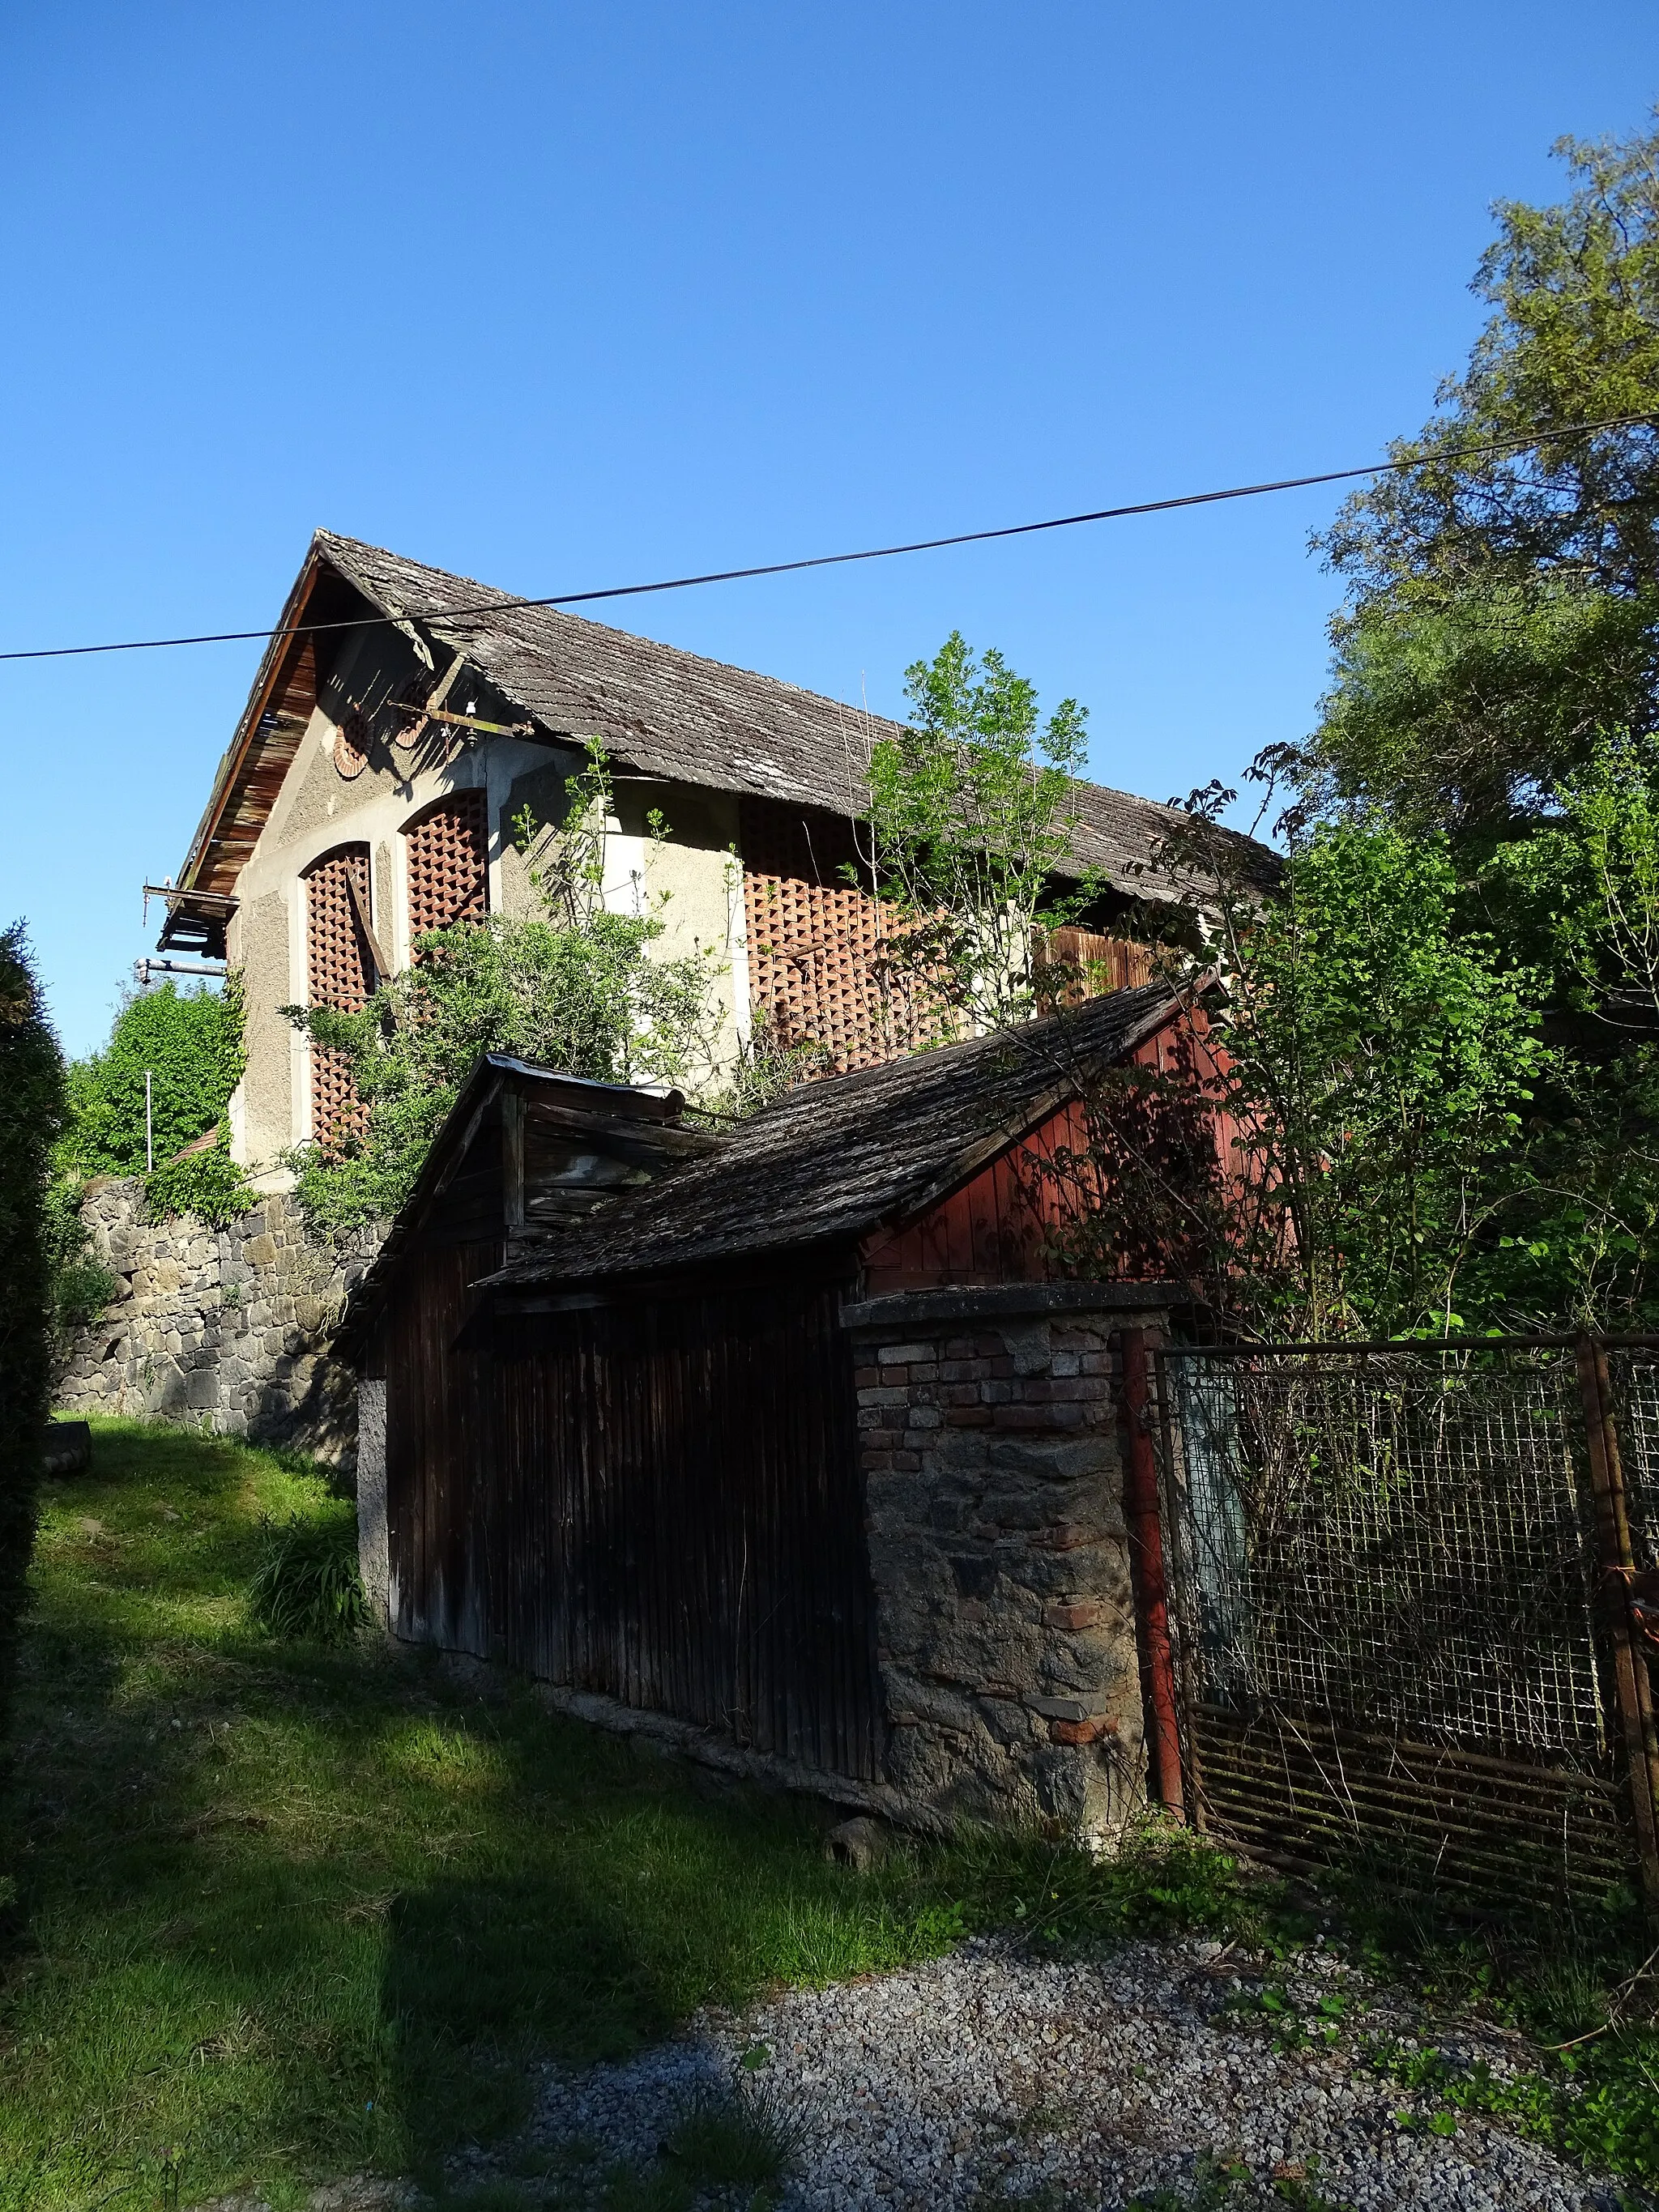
(992, 2076)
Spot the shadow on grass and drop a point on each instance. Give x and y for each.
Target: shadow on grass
(294, 1913)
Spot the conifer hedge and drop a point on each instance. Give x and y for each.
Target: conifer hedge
(31, 1114)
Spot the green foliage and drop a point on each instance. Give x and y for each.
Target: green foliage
(576, 987)
(31, 1112)
(969, 827)
(82, 1286)
(1505, 606)
(1382, 1059)
(294, 1910)
(306, 1584)
(190, 1042)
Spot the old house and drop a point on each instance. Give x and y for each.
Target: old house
(787, 1433)
(401, 720)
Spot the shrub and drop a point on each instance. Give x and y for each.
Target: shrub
(191, 1043)
(31, 1114)
(307, 1585)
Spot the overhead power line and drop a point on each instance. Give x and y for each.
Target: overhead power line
(485, 610)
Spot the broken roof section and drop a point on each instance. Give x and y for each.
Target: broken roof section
(831, 1160)
(658, 711)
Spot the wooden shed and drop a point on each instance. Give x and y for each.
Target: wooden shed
(781, 1431)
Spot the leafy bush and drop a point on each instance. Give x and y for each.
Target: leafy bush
(31, 1112)
(190, 1044)
(82, 1286)
(307, 1585)
(575, 987)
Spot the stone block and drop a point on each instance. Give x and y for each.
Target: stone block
(260, 1252)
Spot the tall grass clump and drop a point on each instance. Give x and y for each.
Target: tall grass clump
(306, 1586)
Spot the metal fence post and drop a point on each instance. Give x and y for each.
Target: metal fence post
(1632, 1687)
(1147, 1576)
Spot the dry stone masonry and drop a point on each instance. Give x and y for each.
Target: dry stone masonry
(228, 1328)
(998, 1551)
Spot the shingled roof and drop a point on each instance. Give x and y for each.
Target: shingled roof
(659, 711)
(832, 1160)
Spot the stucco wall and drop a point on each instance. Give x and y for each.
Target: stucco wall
(318, 809)
(230, 1328)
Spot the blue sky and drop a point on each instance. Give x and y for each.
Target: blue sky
(561, 296)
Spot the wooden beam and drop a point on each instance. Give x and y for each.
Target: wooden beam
(360, 908)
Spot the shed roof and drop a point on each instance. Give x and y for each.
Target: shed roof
(833, 1159)
(659, 711)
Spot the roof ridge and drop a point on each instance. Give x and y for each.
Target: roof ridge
(511, 603)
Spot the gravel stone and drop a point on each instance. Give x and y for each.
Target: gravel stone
(997, 2074)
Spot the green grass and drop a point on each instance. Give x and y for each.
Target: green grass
(289, 1911)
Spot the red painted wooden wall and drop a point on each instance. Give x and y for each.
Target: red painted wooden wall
(997, 1227)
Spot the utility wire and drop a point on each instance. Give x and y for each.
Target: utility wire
(488, 610)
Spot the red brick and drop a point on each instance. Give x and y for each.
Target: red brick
(876, 1463)
(866, 1378)
(959, 1394)
(907, 1463)
(1078, 1731)
(968, 1417)
(1083, 1612)
(895, 1378)
(1062, 1536)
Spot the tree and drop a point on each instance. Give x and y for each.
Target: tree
(190, 1044)
(1376, 1063)
(968, 839)
(31, 1113)
(575, 987)
(1503, 606)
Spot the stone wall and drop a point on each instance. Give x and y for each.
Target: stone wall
(1005, 1624)
(228, 1329)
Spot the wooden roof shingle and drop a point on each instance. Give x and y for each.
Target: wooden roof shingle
(831, 1160)
(659, 711)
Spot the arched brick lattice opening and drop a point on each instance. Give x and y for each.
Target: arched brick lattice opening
(446, 849)
(339, 972)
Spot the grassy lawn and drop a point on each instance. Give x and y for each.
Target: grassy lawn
(287, 1912)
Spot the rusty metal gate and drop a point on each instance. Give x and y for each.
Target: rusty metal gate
(1394, 1634)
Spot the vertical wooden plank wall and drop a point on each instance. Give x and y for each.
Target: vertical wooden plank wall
(437, 1437)
(662, 1502)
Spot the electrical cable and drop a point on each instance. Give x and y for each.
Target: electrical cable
(489, 610)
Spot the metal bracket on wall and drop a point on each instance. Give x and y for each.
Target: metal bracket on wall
(434, 710)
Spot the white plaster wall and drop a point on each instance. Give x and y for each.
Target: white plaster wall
(688, 879)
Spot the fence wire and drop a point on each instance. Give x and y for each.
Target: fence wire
(1633, 1371)
(1401, 1542)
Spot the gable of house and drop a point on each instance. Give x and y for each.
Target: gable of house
(343, 820)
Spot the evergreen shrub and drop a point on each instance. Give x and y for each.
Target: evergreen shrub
(31, 1114)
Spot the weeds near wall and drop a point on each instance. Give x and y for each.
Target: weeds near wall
(306, 1585)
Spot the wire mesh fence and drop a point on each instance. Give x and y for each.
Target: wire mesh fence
(1389, 1602)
